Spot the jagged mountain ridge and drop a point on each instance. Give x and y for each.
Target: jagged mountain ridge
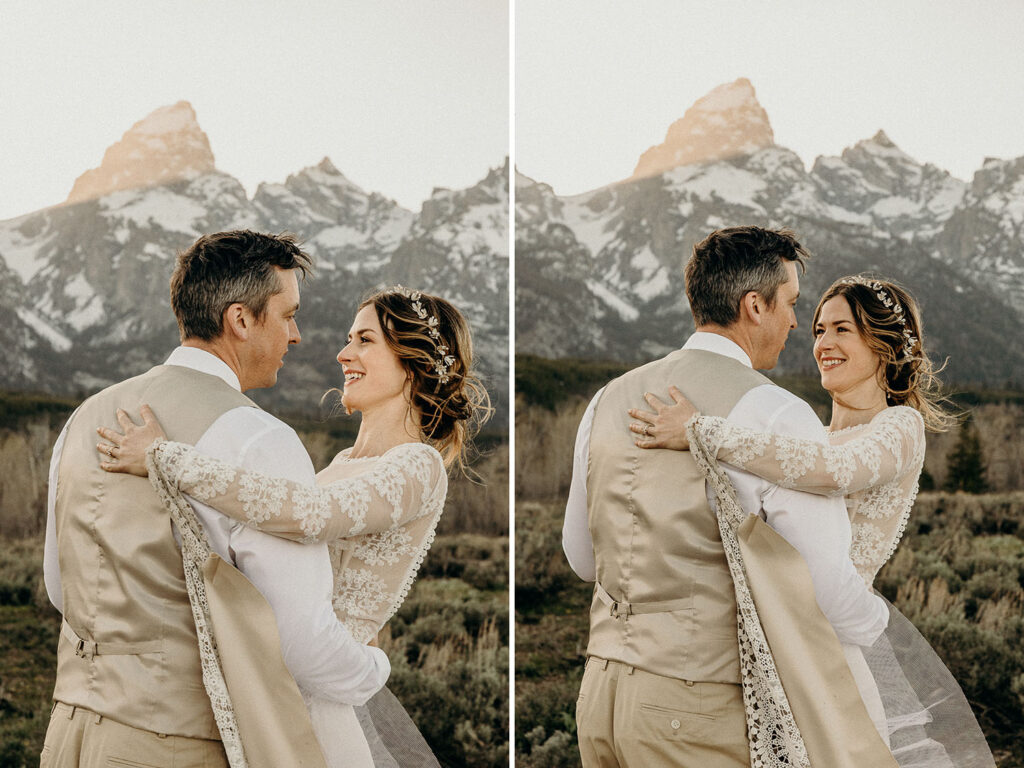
(166, 146)
(600, 274)
(725, 123)
(85, 284)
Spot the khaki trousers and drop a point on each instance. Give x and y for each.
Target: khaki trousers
(77, 737)
(629, 718)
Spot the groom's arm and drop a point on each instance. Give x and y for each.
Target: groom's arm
(818, 527)
(51, 560)
(577, 542)
(296, 579)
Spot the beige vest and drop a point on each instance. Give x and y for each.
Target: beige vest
(660, 561)
(121, 572)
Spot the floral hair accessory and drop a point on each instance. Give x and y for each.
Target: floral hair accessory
(443, 362)
(909, 340)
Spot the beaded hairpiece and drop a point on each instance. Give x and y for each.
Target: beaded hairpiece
(888, 300)
(443, 361)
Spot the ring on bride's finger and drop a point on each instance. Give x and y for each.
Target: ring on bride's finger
(647, 429)
(110, 451)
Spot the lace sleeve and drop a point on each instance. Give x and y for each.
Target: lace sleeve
(387, 495)
(890, 446)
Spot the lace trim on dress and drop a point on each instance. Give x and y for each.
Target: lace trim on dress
(195, 550)
(834, 432)
(904, 521)
(772, 732)
(720, 435)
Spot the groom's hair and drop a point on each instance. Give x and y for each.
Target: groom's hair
(225, 268)
(729, 263)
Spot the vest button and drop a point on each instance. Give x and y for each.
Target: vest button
(675, 725)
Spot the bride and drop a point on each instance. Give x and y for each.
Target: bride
(869, 351)
(407, 370)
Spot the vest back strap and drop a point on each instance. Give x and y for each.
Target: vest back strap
(617, 608)
(87, 648)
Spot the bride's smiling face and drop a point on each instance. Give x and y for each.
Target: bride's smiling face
(373, 372)
(845, 360)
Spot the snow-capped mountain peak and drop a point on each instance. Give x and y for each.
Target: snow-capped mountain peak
(165, 146)
(332, 211)
(877, 178)
(172, 119)
(882, 162)
(328, 170)
(727, 122)
(881, 138)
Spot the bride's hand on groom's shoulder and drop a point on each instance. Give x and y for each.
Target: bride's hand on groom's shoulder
(126, 452)
(665, 427)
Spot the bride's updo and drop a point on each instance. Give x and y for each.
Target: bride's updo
(432, 339)
(889, 321)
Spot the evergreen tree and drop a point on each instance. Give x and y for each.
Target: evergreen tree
(966, 469)
(926, 482)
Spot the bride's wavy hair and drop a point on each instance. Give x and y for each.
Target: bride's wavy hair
(433, 341)
(908, 376)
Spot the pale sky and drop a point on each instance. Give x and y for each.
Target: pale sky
(403, 96)
(599, 81)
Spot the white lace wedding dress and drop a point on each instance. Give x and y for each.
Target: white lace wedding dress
(911, 697)
(378, 515)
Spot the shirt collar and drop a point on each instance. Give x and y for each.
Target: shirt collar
(720, 345)
(204, 362)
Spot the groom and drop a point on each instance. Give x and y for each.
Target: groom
(662, 680)
(129, 680)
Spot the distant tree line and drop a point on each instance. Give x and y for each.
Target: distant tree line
(995, 437)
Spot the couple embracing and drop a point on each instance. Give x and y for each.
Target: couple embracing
(733, 621)
(238, 629)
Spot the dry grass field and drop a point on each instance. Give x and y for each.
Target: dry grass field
(448, 643)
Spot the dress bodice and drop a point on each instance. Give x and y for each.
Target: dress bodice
(373, 572)
(879, 513)
(875, 466)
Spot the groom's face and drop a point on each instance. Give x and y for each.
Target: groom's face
(778, 321)
(272, 335)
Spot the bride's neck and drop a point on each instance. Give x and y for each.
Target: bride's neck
(384, 427)
(853, 408)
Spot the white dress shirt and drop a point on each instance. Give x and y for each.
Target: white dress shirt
(296, 579)
(818, 527)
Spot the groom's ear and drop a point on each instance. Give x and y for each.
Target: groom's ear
(752, 307)
(237, 321)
